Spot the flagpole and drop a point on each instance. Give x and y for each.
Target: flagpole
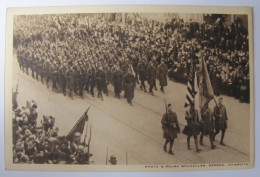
(193, 73)
(126, 159)
(215, 101)
(107, 156)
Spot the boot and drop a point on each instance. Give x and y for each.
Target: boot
(222, 138)
(201, 140)
(170, 152)
(164, 148)
(211, 142)
(197, 146)
(188, 143)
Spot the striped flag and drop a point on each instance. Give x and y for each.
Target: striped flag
(190, 95)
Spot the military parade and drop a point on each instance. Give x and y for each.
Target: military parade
(82, 56)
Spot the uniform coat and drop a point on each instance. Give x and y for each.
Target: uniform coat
(170, 125)
(129, 85)
(207, 121)
(162, 74)
(220, 115)
(192, 127)
(151, 74)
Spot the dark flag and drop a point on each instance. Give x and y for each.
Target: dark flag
(205, 89)
(79, 126)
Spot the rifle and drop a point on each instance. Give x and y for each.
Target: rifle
(89, 139)
(107, 156)
(165, 106)
(16, 91)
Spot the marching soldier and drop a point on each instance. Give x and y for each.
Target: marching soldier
(46, 67)
(171, 128)
(151, 75)
(36, 67)
(54, 76)
(162, 75)
(87, 81)
(155, 65)
(135, 64)
(129, 86)
(117, 78)
(192, 127)
(92, 79)
(33, 66)
(41, 69)
(220, 115)
(81, 81)
(70, 80)
(106, 80)
(26, 62)
(75, 78)
(62, 79)
(207, 125)
(100, 79)
(142, 71)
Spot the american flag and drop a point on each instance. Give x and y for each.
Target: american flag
(190, 95)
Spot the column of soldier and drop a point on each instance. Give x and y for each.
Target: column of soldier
(77, 61)
(84, 56)
(211, 123)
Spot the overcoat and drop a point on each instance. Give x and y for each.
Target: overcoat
(170, 125)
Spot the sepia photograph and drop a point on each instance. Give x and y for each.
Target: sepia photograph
(129, 88)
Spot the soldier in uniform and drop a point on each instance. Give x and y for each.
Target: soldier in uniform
(151, 75)
(26, 62)
(207, 125)
(87, 81)
(70, 80)
(129, 85)
(33, 66)
(81, 81)
(41, 69)
(54, 76)
(36, 67)
(62, 79)
(100, 79)
(220, 115)
(162, 75)
(170, 126)
(135, 64)
(192, 127)
(117, 78)
(155, 65)
(75, 78)
(92, 79)
(106, 80)
(46, 67)
(142, 71)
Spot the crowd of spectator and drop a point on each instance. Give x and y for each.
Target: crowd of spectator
(38, 141)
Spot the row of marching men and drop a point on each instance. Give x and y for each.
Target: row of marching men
(73, 78)
(210, 124)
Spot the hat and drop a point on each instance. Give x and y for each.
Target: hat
(113, 160)
(77, 134)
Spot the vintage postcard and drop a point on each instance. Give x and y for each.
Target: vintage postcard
(129, 88)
